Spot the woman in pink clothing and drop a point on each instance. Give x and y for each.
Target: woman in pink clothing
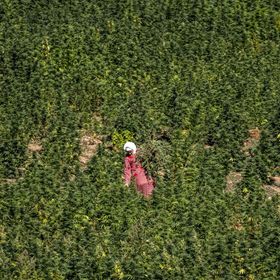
(132, 168)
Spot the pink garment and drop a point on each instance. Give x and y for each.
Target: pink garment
(144, 184)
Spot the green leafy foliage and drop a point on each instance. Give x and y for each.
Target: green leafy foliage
(155, 157)
(184, 80)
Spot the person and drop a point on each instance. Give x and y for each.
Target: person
(133, 168)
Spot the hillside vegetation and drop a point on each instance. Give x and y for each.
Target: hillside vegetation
(195, 84)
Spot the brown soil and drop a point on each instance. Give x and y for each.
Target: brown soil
(232, 179)
(271, 190)
(8, 181)
(275, 180)
(238, 226)
(255, 133)
(251, 142)
(89, 143)
(34, 146)
(206, 147)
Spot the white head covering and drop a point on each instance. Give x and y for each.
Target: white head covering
(130, 147)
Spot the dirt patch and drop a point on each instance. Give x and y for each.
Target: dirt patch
(207, 147)
(271, 190)
(275, 180)
(232, 179)
(237, 225)
(89, 143)
(251, 142)
(35, 146)
(97, 118)
(255, 133)
(8, 181)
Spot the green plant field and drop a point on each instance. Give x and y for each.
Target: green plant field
(186, 81)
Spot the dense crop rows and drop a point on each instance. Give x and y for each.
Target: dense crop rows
(191, 76)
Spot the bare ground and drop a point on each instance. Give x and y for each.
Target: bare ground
(271, 190)
(35, 146)
(232, 179)
(251, 142)
(89, 143)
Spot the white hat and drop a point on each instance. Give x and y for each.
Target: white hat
(129, 146)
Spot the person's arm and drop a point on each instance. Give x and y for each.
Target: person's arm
(127, 172)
